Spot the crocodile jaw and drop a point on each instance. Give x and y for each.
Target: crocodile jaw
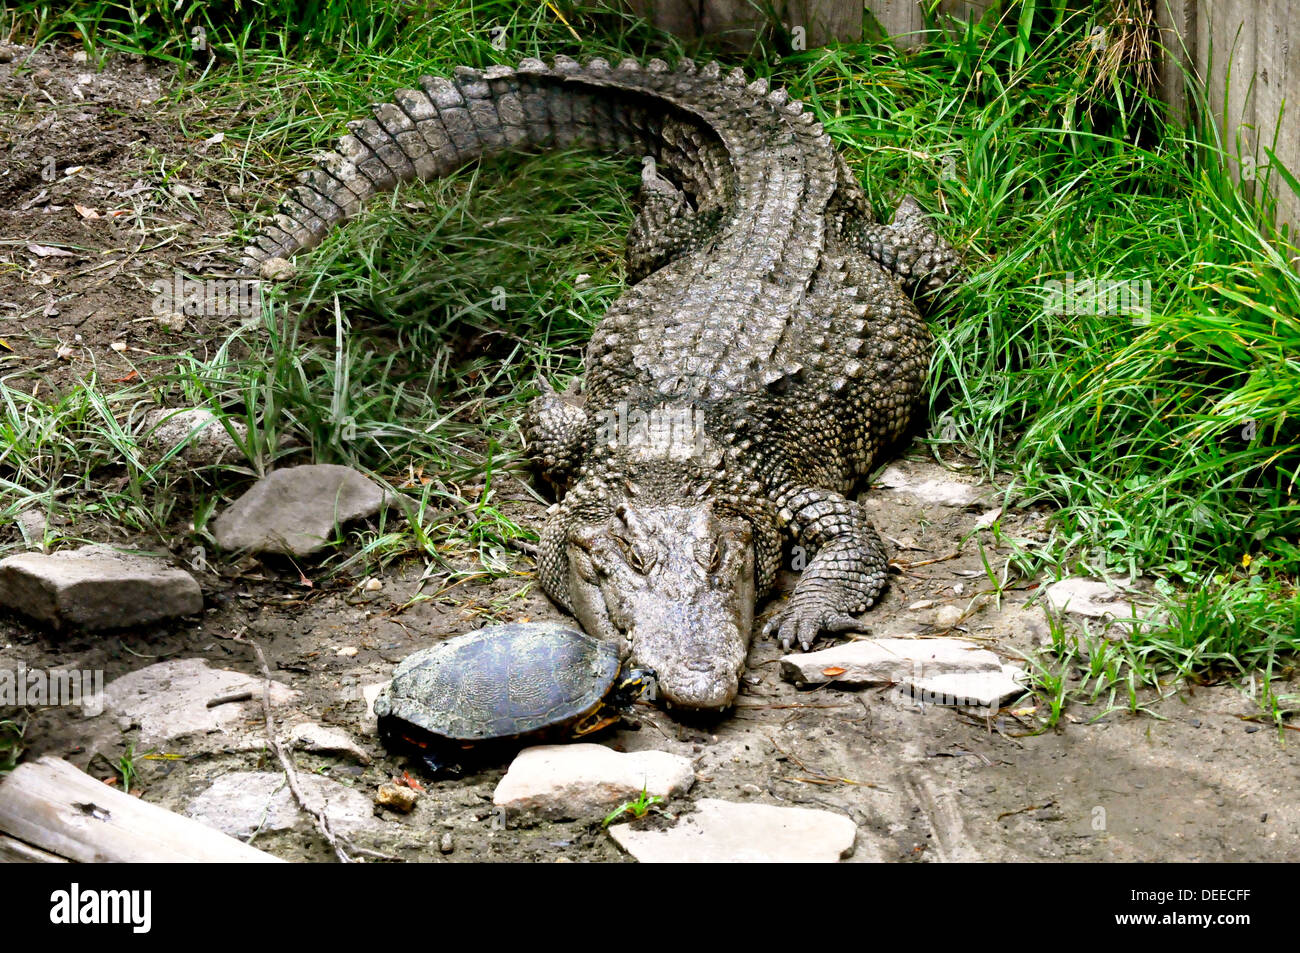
(675, 586)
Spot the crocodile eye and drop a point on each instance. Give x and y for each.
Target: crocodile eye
(636, 561)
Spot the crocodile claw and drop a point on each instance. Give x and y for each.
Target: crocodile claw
(802, 621)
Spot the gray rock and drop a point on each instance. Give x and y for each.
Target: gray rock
(309, 736)
(169, 700)
(296, 510)
(947, 616)
(95, 587)
(943, 492)
(885, 661)
(924, 671)
(202, 437)
(582, 781)
(989, 690)
(1088, 597)
(33, 525)
(243, 802)
(731, 833)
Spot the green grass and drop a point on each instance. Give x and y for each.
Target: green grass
(643, 805)
(1165, 440)
(11, 744)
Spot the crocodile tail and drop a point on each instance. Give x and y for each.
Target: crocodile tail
(444, 124)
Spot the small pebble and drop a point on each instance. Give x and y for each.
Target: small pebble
(1251, 729)
(396, 797)
(446, 845)
(947, 616)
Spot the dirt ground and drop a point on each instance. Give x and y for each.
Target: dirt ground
(1187, 780)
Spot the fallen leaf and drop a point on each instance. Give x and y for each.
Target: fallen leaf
(833, 671)
(48, 251)
(126, 380)
(119, 346)
(87, 213)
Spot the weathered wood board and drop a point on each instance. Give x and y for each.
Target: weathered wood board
(50, 806)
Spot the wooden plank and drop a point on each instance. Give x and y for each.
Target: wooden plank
(51, 805)
(679, 17)
(1277, 102)
(826, 21)
(14, 851)
(736, 21)
(1239, 121)
(1176, 21)
(1206, 60)
(901, 21)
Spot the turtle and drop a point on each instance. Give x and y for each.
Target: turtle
(500, 686)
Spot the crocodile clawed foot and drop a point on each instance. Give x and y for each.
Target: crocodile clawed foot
(802, 621)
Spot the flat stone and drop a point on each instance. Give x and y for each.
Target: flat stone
(1088, 597)
(731, 833)
(296, 510)
(243, 802)
(95, 587)
(197, 431)
(169, 700)
(886, 661)
(34, 526)
(989, 690)
(943, 492)
(581, 781)
(310, 736)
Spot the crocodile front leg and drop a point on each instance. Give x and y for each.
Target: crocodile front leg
(556, 434)
(845, 575)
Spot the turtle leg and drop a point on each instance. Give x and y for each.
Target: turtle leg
(595, 722)
(442, 761)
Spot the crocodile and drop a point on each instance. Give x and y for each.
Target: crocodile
(768, 351)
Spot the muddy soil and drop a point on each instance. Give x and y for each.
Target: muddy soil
(1185, 779)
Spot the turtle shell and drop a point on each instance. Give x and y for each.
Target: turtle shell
(501, 681)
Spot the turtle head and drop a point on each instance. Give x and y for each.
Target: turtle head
(675, 585)
(632, 684)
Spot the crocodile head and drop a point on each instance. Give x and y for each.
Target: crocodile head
(675, 584)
